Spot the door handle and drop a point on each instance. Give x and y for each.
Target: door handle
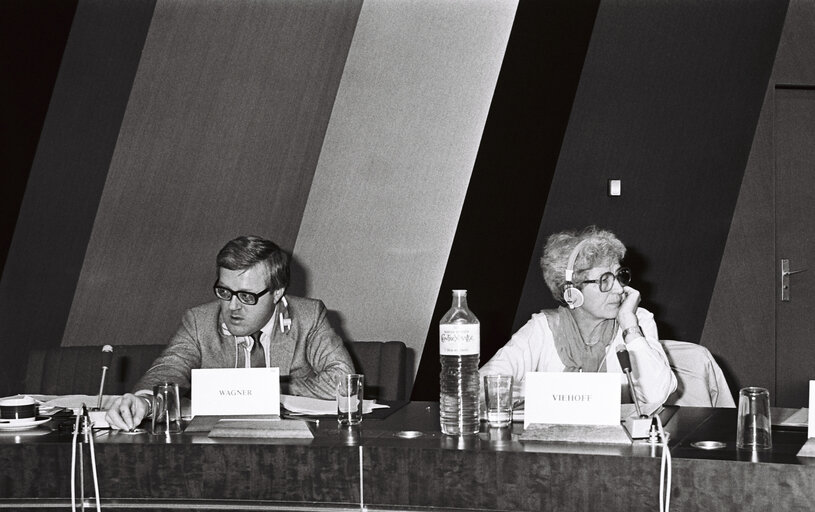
(785, 279)
(791, 272)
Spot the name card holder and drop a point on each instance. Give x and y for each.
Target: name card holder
(808, 450)
(573, 408)
(235, 391)
(587, 434)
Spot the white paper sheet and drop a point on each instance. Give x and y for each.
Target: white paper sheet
(317, 407)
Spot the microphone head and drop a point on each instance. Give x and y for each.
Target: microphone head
(625, 359)
(107, 356)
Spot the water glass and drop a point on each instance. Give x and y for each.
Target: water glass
(349, 399)
(498, 394)
(754, 428)
(166, 409)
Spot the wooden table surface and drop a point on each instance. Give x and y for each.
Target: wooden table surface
(379, 465)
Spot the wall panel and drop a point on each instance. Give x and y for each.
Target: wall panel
(513, 173)
(668, 102)
(33, 35)
(220, 138)
(67, 177)
(397, 160)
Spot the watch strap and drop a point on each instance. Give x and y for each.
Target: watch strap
(635, 332)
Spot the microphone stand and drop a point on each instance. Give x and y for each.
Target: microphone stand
(101, 388)
(627, 372)
(638, 427)
(107, 359)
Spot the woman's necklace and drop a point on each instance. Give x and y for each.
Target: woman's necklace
(603, 331)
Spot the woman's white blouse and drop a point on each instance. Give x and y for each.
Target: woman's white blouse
(532, 349)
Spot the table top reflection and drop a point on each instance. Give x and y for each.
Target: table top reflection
(416, 425)
(406, 462)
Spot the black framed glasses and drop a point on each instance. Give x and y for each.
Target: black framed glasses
(248, 298)
(606, 281)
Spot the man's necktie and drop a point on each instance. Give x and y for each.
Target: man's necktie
(257, 356)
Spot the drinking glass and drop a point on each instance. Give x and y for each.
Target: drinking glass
(498, 395)
(349, 399)
(166, 409)
(754, 427)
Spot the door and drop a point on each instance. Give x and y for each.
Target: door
(794, 148)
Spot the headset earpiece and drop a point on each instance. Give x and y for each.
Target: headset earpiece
(572, 296)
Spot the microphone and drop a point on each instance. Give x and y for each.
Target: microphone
(637, 427)
(107, 358)
(625, 363)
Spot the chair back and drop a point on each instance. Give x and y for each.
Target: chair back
(700, 381)
(384, 366)
(78, 370)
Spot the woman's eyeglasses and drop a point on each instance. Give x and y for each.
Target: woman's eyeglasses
(606, 281)
(248, 298)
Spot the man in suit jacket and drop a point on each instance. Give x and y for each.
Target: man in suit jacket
(252, 324)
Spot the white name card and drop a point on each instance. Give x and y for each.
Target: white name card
(234, 391)
(811, 418)
(572, 398)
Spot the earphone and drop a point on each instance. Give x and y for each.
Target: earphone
(572, 296)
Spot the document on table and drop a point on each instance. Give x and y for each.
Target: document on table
(317, 407)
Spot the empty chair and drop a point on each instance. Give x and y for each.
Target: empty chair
(78, 370)
(700, 381)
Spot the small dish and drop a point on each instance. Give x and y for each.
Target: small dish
(708, 445)
(19, 425)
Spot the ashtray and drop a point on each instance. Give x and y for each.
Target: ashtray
(408, 434)
(708, 445)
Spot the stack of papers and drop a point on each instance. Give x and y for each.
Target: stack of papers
(316, 407)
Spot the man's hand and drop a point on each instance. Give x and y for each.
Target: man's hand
(126, 412)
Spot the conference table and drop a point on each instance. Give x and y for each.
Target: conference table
(403, 462)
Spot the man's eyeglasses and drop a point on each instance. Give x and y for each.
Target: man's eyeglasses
(248, 298)
(606, 281)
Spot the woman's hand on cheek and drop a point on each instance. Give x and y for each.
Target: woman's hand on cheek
(627, 316)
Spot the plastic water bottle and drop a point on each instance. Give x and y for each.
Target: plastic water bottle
(459, 350)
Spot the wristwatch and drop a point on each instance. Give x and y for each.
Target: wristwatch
(635, 331)
(149, 405)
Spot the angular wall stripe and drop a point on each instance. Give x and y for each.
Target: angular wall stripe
(510, 182)
(397, 160)
(33, 35)
(668, 102)
(221, 138)
(68, 174)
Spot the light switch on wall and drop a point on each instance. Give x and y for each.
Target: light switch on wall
(614, 187)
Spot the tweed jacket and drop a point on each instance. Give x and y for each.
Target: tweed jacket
(309, 354)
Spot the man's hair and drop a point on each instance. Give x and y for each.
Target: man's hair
(247, 251)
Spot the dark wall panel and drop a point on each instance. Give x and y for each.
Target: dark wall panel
(668, 103)
(33, 34)
(742, 311)
(67, 177)
(742, 305)
(221, 137)
(512, 173)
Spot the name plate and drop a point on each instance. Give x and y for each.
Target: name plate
(234, 391)
(572, 398)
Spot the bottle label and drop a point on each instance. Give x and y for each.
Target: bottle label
(459, 339)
